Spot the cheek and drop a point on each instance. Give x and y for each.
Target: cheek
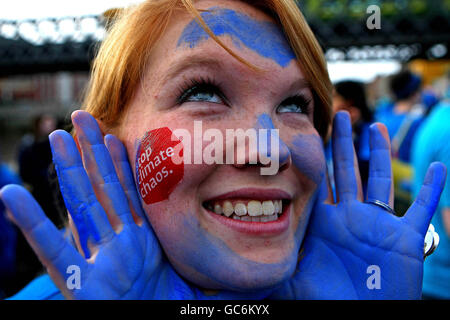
(157, 174)
(308, 160)
(183, 199)
(308, 156)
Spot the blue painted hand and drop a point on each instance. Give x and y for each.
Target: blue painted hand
(119, 256)
(348, 240)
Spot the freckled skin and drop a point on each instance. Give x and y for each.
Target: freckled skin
(343, 241)
(184, 230)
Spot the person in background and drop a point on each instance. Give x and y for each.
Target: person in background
(178, 247)
(429, 99)
(405, 114)
(432, 144)
(402, 118)
(35, 164)
(350, 96)
(35, 158)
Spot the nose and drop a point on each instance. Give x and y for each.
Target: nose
(271, 153)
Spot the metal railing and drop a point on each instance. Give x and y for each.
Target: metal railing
(54, 30)
(408, 30)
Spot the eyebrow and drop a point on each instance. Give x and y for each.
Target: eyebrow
(198, 61)
(190, 62)
(300, 83)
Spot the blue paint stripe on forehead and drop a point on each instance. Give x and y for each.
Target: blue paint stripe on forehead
(263, 37)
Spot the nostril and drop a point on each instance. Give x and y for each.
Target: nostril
(285, 164)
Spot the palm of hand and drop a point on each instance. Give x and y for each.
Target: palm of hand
(357, 250)
(118, 255)
(346, 242)
(124, 267)
(342, 242)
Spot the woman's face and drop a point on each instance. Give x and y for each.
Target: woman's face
(254, 239)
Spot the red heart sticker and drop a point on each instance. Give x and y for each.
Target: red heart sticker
(156, 172)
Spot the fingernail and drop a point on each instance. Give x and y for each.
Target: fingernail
(439, 173)
(378, 136)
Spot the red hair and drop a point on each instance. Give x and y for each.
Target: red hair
(118, 66)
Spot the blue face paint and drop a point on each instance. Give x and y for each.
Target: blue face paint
(264, 121)
(308, 156)
(263, 37)
(137, 147)
(212, 258)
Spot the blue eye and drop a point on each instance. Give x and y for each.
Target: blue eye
(200, 94)
(295, 104)
(201, 91)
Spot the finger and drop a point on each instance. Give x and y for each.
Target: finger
(100, 169)
(55, 253)
(379, 184)
(120, 159)
(346, 172)
(421, 211)
(87, 213)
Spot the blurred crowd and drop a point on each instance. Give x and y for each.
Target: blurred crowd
(18, 263)
(417, 116)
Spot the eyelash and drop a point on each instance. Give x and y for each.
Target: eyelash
(201, 85)
(300, 100)
(193, 86)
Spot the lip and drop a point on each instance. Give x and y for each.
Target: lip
(271, 228)
(254, 194)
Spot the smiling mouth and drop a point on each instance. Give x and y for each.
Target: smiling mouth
(248, 210)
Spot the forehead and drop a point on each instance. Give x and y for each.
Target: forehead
(262, 36)
(241, 27)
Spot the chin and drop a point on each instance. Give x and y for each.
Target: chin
(250, 281)
(248, 276)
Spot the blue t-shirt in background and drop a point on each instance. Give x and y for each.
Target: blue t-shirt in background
(432, 143)
(393, 122)
(41, 288)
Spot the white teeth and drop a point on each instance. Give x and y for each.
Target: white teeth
(240, 209)
(254, 208)
(276, 206)
(228, 208)
(268, 208)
